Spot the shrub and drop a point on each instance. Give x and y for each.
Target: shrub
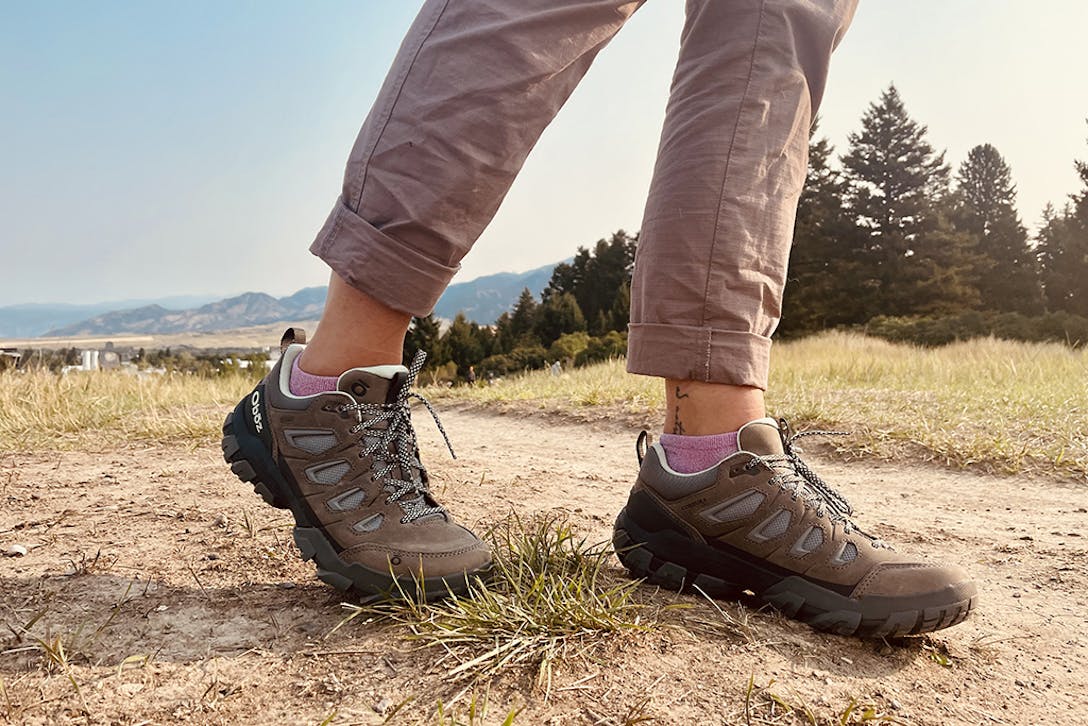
(611, 345)
(1058, 327)
(569, 346)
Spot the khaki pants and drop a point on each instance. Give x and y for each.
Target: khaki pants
(476, 82)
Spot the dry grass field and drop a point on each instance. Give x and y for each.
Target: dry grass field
(989, 404)
(156, 588)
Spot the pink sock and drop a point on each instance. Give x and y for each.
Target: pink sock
(307, 384)
(689, 454)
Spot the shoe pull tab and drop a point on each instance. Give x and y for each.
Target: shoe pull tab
(292, 335)
(642, 445)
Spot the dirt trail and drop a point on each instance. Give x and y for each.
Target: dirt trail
(179, 597)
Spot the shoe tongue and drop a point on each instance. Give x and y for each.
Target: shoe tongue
(375, 384)
(761, 437)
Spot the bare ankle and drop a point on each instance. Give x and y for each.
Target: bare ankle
(355, 330)
(695, 408)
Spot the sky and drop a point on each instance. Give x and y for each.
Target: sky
(150, 149)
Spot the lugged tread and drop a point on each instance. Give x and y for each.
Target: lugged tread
(243, 470)
(637, 558)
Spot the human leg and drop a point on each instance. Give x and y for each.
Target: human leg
(470, 92)
(473, 86)
(706, 297)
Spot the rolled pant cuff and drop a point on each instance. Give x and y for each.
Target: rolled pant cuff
(693, 353)
(379, 265)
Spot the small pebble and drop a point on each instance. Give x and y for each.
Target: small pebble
(383, 705)
(286, 586)
(16, 550)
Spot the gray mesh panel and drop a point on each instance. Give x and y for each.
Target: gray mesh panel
(777, 526)
(809, 542)
(328, 473)
(849, 552)
(315, 441)
(736, 508)
(347, 501)
(369, 524)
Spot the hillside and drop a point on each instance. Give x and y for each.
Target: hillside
(482, 300)
(251, 308)
(28, 320)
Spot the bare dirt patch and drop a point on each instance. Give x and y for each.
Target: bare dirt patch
(157, 588)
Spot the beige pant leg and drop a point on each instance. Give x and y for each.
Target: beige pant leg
(473, 86)
(712, 257)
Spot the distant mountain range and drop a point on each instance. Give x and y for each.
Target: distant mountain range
(482, 300)
(33, 319)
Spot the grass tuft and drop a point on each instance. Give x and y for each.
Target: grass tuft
(770, 708)
(551, 596)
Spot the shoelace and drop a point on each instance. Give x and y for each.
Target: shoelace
(395, 446)
(793, 475)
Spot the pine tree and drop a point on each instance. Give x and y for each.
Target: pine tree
(1005, 266)
(465, 349)
(911, 260)
(1062, 249)
(426, 334)
(620, 314)
(595, 278)
(504, 338)
(557, 316)
(824, 287)
(523, 320)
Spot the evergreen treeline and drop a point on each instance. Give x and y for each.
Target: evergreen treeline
(580, 318)
(894, 241)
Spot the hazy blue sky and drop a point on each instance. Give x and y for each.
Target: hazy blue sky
(155, 148)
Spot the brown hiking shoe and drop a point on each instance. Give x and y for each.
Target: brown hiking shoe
(761, 522)
(346, 464)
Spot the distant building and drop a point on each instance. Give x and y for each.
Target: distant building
(108, 358)
(89, 360)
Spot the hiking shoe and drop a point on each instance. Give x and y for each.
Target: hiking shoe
(347, 466)
(762, 523)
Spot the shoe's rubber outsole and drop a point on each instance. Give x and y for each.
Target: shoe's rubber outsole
(251, 463)
(795, 597)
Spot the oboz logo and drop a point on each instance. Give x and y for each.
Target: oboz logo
(255, 410)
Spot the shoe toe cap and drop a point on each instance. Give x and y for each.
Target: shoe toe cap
(910, 579)
(454, 551)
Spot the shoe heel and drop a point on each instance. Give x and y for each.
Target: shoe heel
(239, 452)
(636, 551)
